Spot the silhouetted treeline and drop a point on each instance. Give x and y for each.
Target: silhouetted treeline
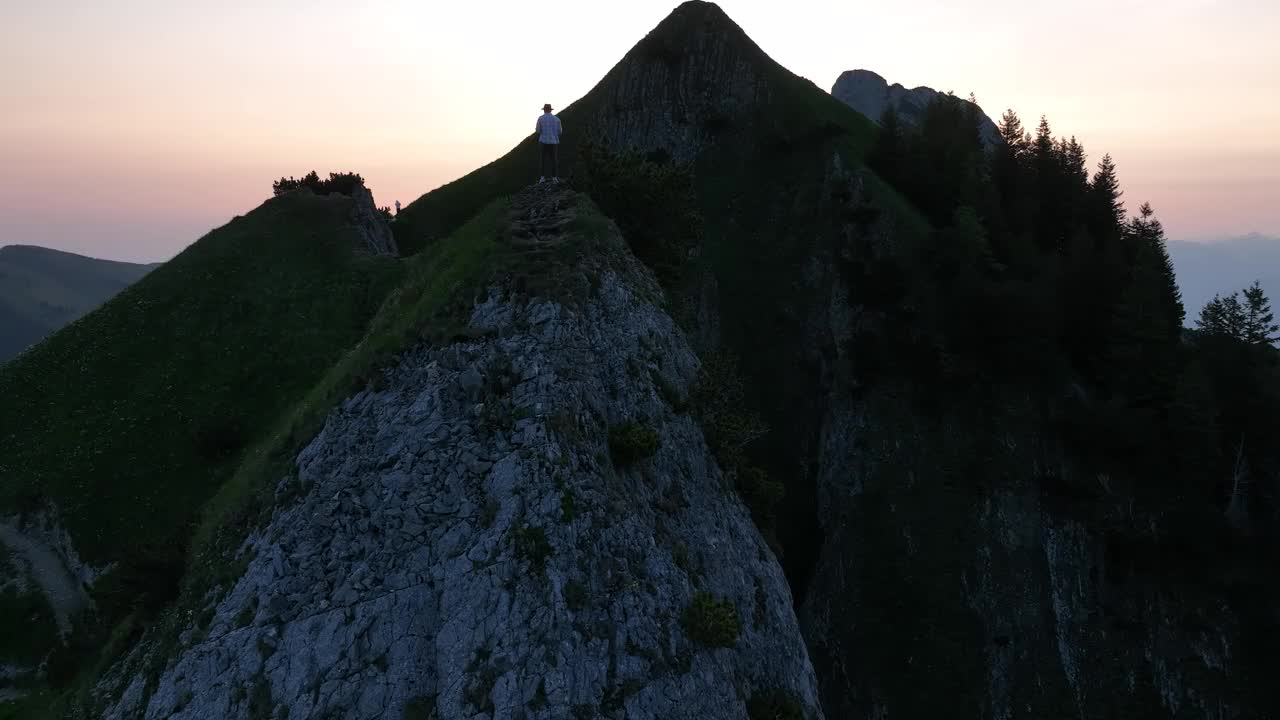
(343, 183)
(1037, 272)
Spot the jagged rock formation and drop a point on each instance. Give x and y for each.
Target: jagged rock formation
(44, 558)
(369, 223)
(1005, 601)
(463, 542)
(871, 95)
(43, 583)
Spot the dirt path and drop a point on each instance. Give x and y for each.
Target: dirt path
(65, 594)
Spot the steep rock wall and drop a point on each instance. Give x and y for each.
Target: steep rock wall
(954, 579)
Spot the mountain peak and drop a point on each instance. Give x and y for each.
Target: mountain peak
(870, 94)
(692, 29)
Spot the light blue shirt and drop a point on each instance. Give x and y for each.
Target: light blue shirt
(549, 129)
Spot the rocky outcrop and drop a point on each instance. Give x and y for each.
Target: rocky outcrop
(953, 586)
(467, 541)
(694, 77)
(871, 95)
(370, 224)
(41, 552)
(43, 587)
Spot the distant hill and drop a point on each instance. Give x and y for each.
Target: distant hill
(1218, 267)
(871, 95)
(42, 289)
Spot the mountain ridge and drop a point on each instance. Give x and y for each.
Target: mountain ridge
(43, 289)
(774, 479)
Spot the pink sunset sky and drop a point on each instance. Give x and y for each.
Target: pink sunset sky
(129, 128)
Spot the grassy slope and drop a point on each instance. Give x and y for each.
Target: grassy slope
(131, 417)
(41, 290)
(134, 417)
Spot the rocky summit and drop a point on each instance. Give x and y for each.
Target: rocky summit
(870, 94)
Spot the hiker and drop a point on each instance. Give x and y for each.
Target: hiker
(397, 207)
(549, 130)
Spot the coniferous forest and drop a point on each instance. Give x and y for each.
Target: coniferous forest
(1040, 271)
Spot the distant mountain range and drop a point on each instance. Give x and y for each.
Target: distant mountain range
(42, 289)
(1216, 267)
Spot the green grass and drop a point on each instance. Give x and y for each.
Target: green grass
(437, 288)
(633, 441)
(711, 621)
(131, 418)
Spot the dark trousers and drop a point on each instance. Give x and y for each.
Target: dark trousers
(550, 160)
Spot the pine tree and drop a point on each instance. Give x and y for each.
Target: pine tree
(1234, 314)
(1076, 159)
(1051, 208)
(1010, 128)
(1223, 316)
(1258, 326)
(1043, 147)
(1108, 210)
(1212, 320)
(1147, 234)
(1076, 179)
(888, 156)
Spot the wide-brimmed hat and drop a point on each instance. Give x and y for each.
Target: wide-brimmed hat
(547, 107)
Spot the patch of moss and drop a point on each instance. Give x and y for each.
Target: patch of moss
(712, 622)
(775, 704)
(531, 544)
(247, 613)
(633, 441)
(422, 707)
(575, 595)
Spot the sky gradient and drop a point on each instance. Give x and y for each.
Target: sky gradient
(129, 128)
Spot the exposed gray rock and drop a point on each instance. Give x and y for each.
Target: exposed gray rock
(370, 223)
(43, 556)
(464, 555)
(871, 95)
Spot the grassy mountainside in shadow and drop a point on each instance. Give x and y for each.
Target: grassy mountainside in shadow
(130, 419)
(42, 289)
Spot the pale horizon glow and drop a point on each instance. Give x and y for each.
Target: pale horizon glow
(130, 128)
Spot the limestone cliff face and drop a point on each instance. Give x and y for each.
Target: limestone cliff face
(464, 543)
(871, 95)
(369, 223)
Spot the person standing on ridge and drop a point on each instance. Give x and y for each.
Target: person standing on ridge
(549, 130)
